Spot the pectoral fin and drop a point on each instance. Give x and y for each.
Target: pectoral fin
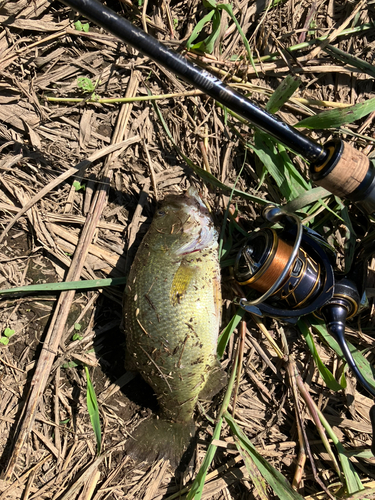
(185, 273)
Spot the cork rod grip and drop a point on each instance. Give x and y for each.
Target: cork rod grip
(347, 174)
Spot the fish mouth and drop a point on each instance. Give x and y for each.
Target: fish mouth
(189, 199)
(193, 193)
(199, 224)
(193, 223)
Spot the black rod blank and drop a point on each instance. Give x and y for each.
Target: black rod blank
(199, 78)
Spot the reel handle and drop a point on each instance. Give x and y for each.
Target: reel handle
(344, 305)
(293, 284)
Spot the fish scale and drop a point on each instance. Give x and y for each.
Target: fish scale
(172, 315)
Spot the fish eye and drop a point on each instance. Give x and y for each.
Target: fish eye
(161, 213)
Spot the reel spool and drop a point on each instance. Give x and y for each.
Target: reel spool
(260, 263)
(294, 278)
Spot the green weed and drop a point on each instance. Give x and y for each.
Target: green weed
(78, 186)
(88, 86)
(7, 333)
(334, 118)
(93, 409)
(82, 27)
(76, 335)
(214, 16)
(65, 285)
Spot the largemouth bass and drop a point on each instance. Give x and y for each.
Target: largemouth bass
(172, 312)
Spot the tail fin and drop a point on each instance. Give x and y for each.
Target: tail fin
(156, 438)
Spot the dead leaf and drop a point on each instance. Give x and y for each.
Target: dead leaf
(85, 128)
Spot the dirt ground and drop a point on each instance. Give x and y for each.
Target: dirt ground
(57, 161)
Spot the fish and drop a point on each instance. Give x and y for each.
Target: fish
(172, 312)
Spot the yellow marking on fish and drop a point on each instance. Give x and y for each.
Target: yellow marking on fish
(180, 283)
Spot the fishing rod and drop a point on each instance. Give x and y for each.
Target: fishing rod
(336, 166)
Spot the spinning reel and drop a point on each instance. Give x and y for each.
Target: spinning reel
(292, 271)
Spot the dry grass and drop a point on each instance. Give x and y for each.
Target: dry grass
(122, 155)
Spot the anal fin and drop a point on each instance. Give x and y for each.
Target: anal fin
(216, 380)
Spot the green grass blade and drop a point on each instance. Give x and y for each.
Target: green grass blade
(93, 409)
(283, 92)
(229, 10)
(208, 44)
(320, 203)
(319, 223)
(238, 228)
(227, 263)
(196, 489)
(211, 179)
(224, 247)
(299, 182)
(276, 160)
(306, 198)
(278, 164)
(227, 332)
(266, 152)
(363, 365)
(198, 28)
(334, 118)
(299, 46)
(326, 374)
(350, 477)
(275, 3)
(314, 210)
(346, 58)
(209, 4)
(352, 480)
(274, 478)
(256, 477)
(66, 285)
(360, 453)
